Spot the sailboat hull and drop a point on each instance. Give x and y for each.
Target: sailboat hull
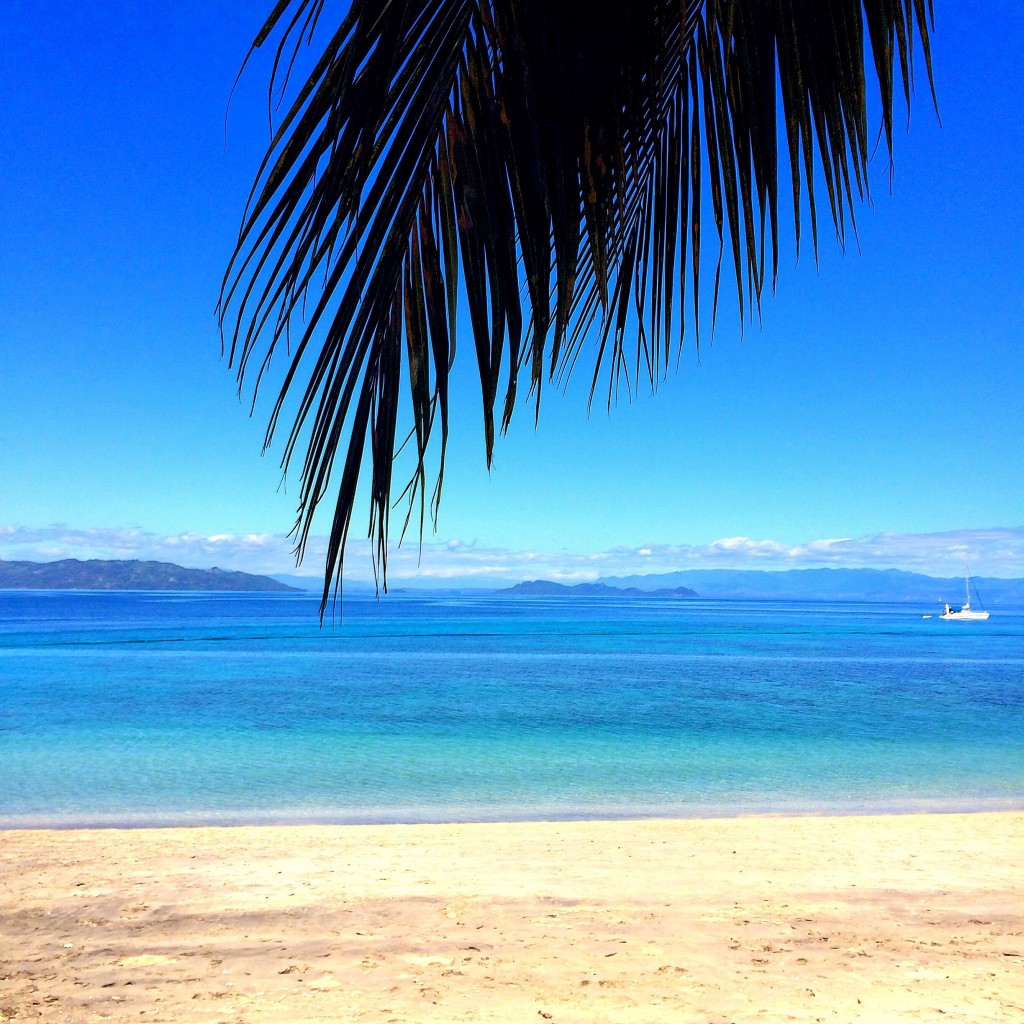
(964, 613)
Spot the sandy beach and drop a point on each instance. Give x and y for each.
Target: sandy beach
(916, 917)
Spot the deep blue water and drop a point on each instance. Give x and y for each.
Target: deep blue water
(177, 708)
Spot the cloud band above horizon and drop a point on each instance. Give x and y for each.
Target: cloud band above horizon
(991, 552)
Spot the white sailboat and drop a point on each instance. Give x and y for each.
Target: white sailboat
(964, 613)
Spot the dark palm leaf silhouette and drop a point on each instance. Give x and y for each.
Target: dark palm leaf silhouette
(545, 167)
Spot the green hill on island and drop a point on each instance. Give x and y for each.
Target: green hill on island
(101, 574)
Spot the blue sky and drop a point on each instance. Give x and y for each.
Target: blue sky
(876, 417)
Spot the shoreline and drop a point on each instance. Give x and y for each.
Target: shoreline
(754, 918)
(491, 816)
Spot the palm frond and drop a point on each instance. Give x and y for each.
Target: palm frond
(547, 165)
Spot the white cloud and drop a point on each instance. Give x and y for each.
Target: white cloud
(252, 552)
(995, 552)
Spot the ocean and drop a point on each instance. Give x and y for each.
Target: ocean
(124, 709)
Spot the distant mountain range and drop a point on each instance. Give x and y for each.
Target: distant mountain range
(869, 585)
(828, 585)
(545, 588)
(99, 574)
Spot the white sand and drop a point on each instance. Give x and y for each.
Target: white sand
(917, 917)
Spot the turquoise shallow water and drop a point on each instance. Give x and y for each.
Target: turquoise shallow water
(158, 709)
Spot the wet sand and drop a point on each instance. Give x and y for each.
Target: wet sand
(896, 918)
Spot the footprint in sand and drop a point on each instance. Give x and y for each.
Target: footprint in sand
(145, 960)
